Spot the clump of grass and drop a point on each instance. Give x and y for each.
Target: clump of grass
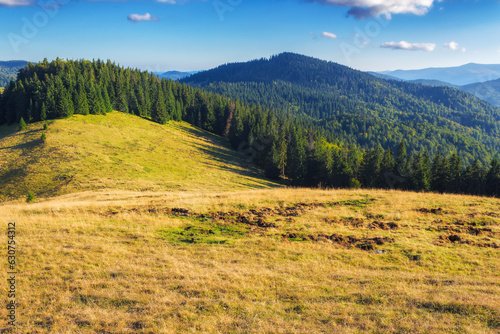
(30, 198)
(204, 234)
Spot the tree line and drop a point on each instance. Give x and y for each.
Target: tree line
(281, 143)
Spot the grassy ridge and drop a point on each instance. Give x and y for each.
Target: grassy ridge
(118, 151)
(257, 261)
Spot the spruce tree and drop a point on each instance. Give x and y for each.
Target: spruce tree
(493, 179)
(158, 111)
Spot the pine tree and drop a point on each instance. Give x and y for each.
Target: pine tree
(493, 179)
(440, 174)
(43, 112)
(402, 173)
(454, 176)
(296, 155)
(82, 104)
(108, 107)
(158, 111)
(282, 151)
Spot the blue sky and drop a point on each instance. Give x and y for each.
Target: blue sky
(201, 34)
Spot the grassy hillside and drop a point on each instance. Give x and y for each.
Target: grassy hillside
(118, 151)
(259, 261)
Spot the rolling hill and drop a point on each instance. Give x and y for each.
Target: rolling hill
(118, 151)
(353, 106)
(488, 91)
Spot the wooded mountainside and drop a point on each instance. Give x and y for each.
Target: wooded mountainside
(354, 107)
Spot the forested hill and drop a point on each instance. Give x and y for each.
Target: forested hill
(287, 147)
(356, 107)
(8, 70)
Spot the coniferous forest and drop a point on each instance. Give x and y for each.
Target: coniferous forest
(295, 147)
(351, 106)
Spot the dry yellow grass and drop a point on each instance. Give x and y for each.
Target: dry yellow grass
(123, 262)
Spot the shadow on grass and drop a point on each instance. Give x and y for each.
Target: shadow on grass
(23, 146)
(226, 158)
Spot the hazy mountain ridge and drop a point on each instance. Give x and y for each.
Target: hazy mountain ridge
(8, 70)
(176, 75)
(459, 75)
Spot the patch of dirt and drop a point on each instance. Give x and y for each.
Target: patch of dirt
(359, 222)
(354, 222)
(460, 226)
(345, 241)
(376, 225)
(492, 214)
(438, 211)
(457, 239)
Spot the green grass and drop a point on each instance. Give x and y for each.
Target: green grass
(118, 151)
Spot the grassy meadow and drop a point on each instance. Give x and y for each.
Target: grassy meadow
(255, 261)
(118, 151)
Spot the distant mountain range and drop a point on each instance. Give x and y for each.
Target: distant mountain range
(8, 70)
(460, 76)
(473, 75)
(175, 75)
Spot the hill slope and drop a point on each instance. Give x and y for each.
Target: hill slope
(353, 106)
(488, 91)
(118, 151)
(460, 75)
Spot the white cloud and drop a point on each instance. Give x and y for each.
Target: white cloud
(453, 46)
(142, 18)
(403, 45)
(172, 2)
(16, 3)
(362, 9)
(329, 35)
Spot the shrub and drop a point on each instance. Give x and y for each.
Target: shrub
(30, 198)
(43, 137)
(45, 126)
(22, 124)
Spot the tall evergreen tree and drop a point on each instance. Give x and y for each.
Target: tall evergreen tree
(158, 111)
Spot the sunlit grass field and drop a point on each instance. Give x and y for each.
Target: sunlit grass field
(256, 261)
(118, 151)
